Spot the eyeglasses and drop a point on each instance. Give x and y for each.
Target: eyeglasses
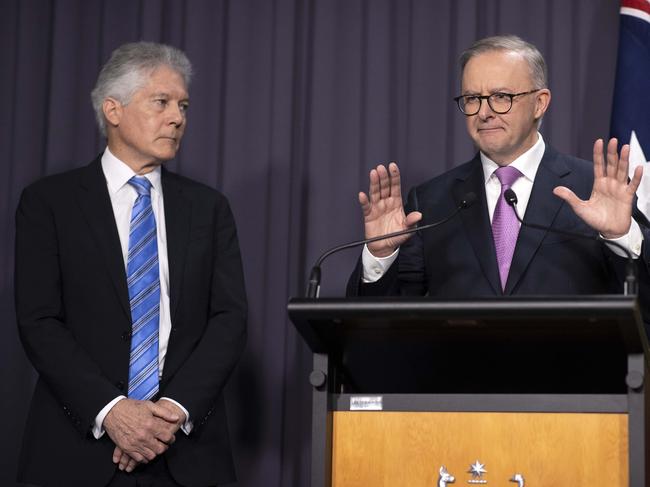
(499, 102)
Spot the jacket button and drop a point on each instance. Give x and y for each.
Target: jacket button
(120, 385)
(126, 335)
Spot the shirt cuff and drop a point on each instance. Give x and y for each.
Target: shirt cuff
(375, 267)
(98, 427)
(187, 426)
(632, 240)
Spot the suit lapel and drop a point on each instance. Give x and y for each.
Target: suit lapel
(178, 210)
(95, 204)
(542, 209)
(476, 222)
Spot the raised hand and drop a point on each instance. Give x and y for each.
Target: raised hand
(383, 210)
(609, 208)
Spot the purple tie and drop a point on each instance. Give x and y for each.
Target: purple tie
(505, 226)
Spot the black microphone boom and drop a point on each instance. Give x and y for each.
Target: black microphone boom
(313, 285)
(630, 286)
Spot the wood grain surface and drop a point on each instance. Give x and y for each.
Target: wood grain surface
(375, 449)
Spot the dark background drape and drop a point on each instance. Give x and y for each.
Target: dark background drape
(293, 102)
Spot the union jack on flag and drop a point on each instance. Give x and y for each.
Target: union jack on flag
(631, 110)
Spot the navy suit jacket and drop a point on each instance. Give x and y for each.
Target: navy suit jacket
(74, 320)
(458, 259)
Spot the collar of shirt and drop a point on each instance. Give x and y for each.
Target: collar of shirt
(528, 163)
(117, 174)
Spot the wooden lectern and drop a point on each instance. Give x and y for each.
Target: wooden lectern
(538, 391)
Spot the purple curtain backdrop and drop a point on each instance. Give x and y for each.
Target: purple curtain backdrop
(293, 102)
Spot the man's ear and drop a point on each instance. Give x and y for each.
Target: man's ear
(113, 110)
(542, 101)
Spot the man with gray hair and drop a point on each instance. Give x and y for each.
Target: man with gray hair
(483, 251)
(130, 298)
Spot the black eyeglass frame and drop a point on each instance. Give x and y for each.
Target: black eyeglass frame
(487, 97)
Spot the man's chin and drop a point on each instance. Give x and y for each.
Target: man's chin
(489, 146)
(492, 136)
(167, 147)
(166, 155)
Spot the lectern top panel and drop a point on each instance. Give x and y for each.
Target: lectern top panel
(323, 323)
(520, 344)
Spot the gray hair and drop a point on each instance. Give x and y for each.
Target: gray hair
(127, 70)
(530, 53)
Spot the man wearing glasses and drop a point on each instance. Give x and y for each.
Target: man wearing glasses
(484, 251)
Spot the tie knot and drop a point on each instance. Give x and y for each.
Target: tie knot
(141, 184)
(507, 175)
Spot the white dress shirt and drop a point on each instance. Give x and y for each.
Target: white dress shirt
(528, 164)
(123, 196)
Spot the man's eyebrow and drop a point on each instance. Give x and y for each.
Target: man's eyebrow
(496, 90)
(164, 94)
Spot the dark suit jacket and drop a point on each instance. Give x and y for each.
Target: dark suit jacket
(458, 259)
(74, 321)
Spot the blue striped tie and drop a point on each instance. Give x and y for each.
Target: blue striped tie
(144, 294)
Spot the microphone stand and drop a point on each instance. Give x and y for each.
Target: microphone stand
(313, 284)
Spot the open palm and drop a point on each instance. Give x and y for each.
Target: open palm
(383, 210)
(609, 207)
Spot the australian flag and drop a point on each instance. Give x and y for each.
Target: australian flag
(631, 110)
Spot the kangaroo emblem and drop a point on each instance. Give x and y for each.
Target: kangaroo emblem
(445, 477)
(519, 479)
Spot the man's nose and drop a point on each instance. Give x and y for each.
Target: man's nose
(485, 111)
(176, 115)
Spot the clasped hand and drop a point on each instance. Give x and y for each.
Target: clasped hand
(141, 430)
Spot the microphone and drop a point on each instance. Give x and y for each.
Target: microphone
(630, 285)
(313, 285)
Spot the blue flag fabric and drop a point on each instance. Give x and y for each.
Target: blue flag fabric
(631, 110)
